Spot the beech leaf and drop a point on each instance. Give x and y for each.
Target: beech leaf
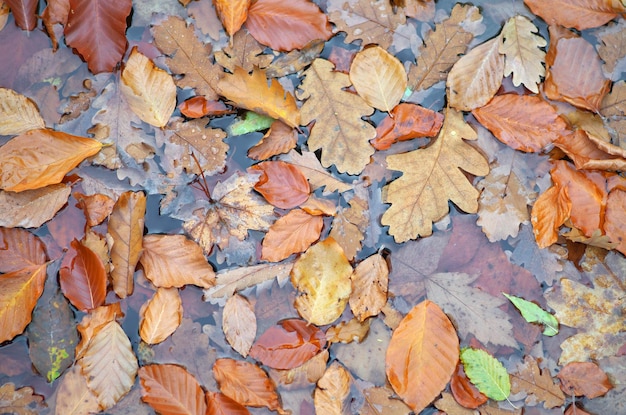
(220, 404)
(32, 208)
(82, 277)
(579, 14)
(584, 378)
(18, 114)
(239, 324)
(25, 13)
(170, 389)
(406, 121)
(232, 13)
(290, 234)
(332, 391)
(486, 373)
(532, 313)
(160, 316)
(281, 184)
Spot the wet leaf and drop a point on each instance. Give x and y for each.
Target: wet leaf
(486, 373)
(32, 208)
(287, 26)
(422, 355)
(584, 379)
(580, 14)
(160, 316)
(198, 106)
(450, 406)
(24, 13)
(405, 122)
(281, 184)
(369, 287)
(304, 375)
(170, 389)
(322, 277)
(381, 400)
(331, 394)
(220, 404)
(22, 401)
(532, 313)
(292, 233)
(245, 52)
(591, 153)
(318, 177)
(196, 138)
(250, 123)
(279, 139)
(239, 324)
(39, 158)
(97, 207)
(91, 323)
(536, 384)
(83, 278)
(550, 211)
(18, 114)
(463, 391)
(349, 331)
(232, 14)
(288, 344)
(174, 261)
(73, 395)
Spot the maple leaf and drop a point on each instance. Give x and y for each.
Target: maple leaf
(536, 384)
(339, 129)
(233, 210)
(431, 177)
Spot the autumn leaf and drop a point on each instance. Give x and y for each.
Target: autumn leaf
(239, 324)
(463, 391)
(281, 184)
(243, 51)
(82, 277)
(32, 208)
(24, 13)
(322, 277)
(18, 114)
(369, 287)
(170, 389)
(73, 394)
(290, 234)
(39, 158)
(580, 14)
(125, 232)
(97, 207)
(251, 91)
(232, 14)
(551, 209)
(97, 30)
(20, 401)
(405, 122)
(349, 331)
(318, 177)
(339, 129)
(332, 391)
(220, 404)
(532, 313)
(422, 355)
(174, 261)
(378, 77)
(229, 281)
(279, 139)
(288, 344)
(160, 316)
(591, 153)
(91, 324)
(486, 373)
(198, 106)
(584, 378)
(431, 177)
(536, 384)
(381, 400)
(287, 26)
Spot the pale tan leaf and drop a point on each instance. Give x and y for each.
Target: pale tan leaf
(245, 52)
(161, 315)
(302, 376)
(382, 401)
(369, 287)
(92, 322)
(18, 114)
(22, 401)
(536, 384)
(451, 407)
(239, 324)
(73, 395)
(476, 77)
(32, 208)
(150, 91)
(331, 394)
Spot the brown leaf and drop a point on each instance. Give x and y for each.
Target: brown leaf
(523, 122)
(290, 234)
(584, 379)
(296, 60)
(170, 389)
(160, 316)
(239, 324)
(551, 209)
(422, 355)
(302, 376)
(39, 158)
(580, 14)
(331, 394)
(97, 207)
(24, 13)
(97, 30)
(450, 406)
(220, 404)
(288, 344)
(18, 113)
(245, 52)
(369, 287)
(349, 331)
(281, 184)
(382, 400)
(318, 177)
(174, 261)
(590, 153)
(125, 232)
(22, 401)
(536, 384)
(464, 391)
(206, 143)
(286, 26)
(279, 139)
(405, 122)
(232, 13)
(615, 218)
(92, 322)
(574, 409)
(83, 278)
(198, 106)
(231, 280)
(32, 208)
(56, 12)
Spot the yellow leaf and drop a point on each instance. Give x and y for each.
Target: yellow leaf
(339, 130)
(322, 277)
(331, 394)
(150, 91)
(161, 315)
(18, 114)
(39, 158)
(432, 177)
(378, 77)
(369, 287)
(251, 91)
(232, 13)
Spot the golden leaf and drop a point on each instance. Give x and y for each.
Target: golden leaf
(290, 234)
(232, 13)
(18, 114)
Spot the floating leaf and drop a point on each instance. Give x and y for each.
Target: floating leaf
(97, 207)
(290, 234)
(170, 389)
(83, 278)
(32, 208)
(281, 184)
(18, 114)
(279, 139)
(551, 209)
(487, 373)
(220, 404)
(405, 122)
(369, 287)
(332, 391)
(532, 313)
(584, 379)
(464, 392)
(239, 324)
(580, 14)
(22, 401)
(232, 13)
(160, 316)
(25, 13)
(536, 384)
(73, 395)
(250, 123)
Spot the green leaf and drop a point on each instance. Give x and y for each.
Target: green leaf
(486, 373)
(532, 313)
(251, 122)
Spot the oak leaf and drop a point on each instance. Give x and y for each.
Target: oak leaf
(290, 234)
(42, 157)
(287, 26)
(160, 316)
(245, 52)
(232, 13)
(22, 401)
(339, 129)
(431, 177)
(97, 30)
(251, 91)
(279, 139)
(580, 14)
(239, 324)
(369, 287)
(281, 184)
(536, 384)
(18, 114)
(584, 378)
(422, 355)
(322, 277)
(150, 91)
(612, 49)
(32, 208)
(378, 77)
(405, 122)
(332, 391)
(170, 389)
(174, 261)
(83, 278)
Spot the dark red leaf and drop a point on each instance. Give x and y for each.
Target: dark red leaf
(83, 277)
(464, 392)
(24, 12)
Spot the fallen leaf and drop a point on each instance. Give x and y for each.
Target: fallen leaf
(97, 30)
(232, 14)
(584, 379)
(160, 316)
(287, 26)
(91, 323)
(322, 277)
(97, 207)
(422, 355)
(39, 158)
(551, 209)
(450, 406)
(220, 404)
(431, 177)
(83, 278)
(290, 234)
(251, 91)
(536, 384)
(532, 313)
(304, 375)
(590, 153)
(349, 226)
(198, 106)
(378, 77)
(278, 140)
(381, 400)
(296, 60)
(32, 208)
(369, 287)
(73, 395)
(339, 129)
(349, 331)
(174, 261)
(332, 391)
(463, 391)
(239, 324)
(24, 13)
(22, 401)
(229, 281)
(250, 122)
(580, 14)
(574, 409)
(486, 373)
(405, 122)
(18, 113)
(611, 49)
(170, 389)
(205, 143)
(245, 52)
(318, 177)
(281, 184)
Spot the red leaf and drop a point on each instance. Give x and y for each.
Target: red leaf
(282, 184)
(464, 392)
(288, 344)
(584, 378)
(220, 404)
(97, 30)
(24, 12)
(198, 106)
(285, 26)
(406, 121)
(83, 278)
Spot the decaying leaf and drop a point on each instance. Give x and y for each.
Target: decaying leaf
(195, 138)
(349, 331)
(161, 315)
(369, 287)
(239, 324)
(331, 394)
(22, 401)
(97, 207)
(32, 208)
(171, 389)
(584, 378)
(18, 114)
(536, 384)
(318, 177)
(73, 394)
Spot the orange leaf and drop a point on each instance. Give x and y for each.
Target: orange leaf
(406, 121)
(246, 383)
(332, 391)
(292, 233)
(97, 30)
(523, 122)
(199, 106)
(92, 322)
(369, 287)
(282, 184)
(220, 404)
(279, 139)
(551, 209)
(20, 249)
(288, 344)
(232, 13)
(83, 278)
(239, 324)
(580, 14)
(584, 378)
(422, 355)
(615, 219)
(170, 389)
(591, 153)
(285, 26)
(161, 315)
(97, 207)
(464, 392)
(42, 157)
